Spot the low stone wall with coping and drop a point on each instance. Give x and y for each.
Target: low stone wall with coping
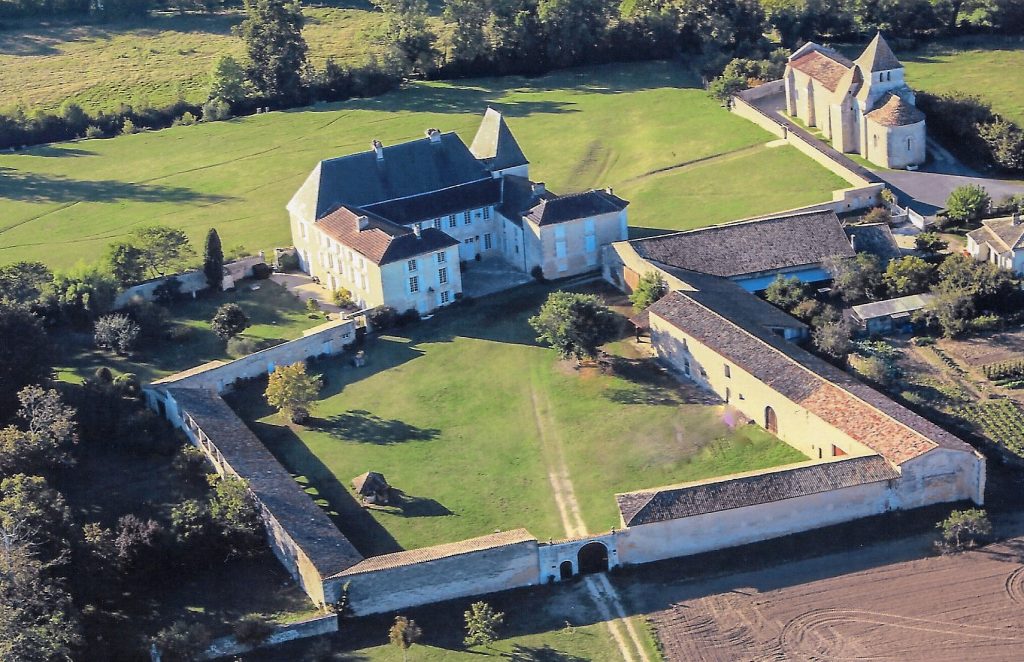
(191, 281)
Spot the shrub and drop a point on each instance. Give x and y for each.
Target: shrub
(967, 203)
(650, 288)
(216, 110)
(410, 316)
(102, 375)
(239, 347)
(292, 391)
(253, 630)
(117, 332)
(312, 307)
(877, 215)
(964, 529)
(181, 642)
(180, 333)
(168, 291)
(538, 273)
(229, 321)
(288, 262)
(151, 318)
(261, 271)
(93, 131)
(924, 341)
(128, 383)
(342, 297)
(188, 119)
(128, 127)
(382, 318)
(190, 462)
(985, 323)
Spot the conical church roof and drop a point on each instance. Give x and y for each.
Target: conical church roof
(878, 56)
(495, 143)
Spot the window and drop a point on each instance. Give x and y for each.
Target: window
(590, 242)
(442, 257)
(467, 218)
(910, 143)
(414, 284)
(445, 297)
(874, 141)
(588, 226)
(437, 224)
(468, 242)
(686, 367)
(487, 241)
(487, 213)
(559, 249)
(452, 222)
(411, 265)
(442, 275)
(305, 231)
(728, 373)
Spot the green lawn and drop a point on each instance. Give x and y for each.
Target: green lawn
(580, 128)
(275, 314)
(464, 413)
(151, 62)
(990, 68)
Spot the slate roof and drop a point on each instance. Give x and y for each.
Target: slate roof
(766, 486)
(495, 144)
(864, 414)
(559, 209)
(874, 238)
(369, 483)
(518, 196)
(437, 552)
(312, 530)
(894, 111)
(899, 305)
(878, 56)
(823, 65)
(751, 247)
(407, 169)
(382, 242)
(1003, 233)
(438, 204)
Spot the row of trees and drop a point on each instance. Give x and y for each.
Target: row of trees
(967, 124)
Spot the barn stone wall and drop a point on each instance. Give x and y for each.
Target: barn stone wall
(191, 281)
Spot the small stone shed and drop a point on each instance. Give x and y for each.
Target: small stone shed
(889, 316)
(373, 488)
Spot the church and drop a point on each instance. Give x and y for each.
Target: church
(864, 107)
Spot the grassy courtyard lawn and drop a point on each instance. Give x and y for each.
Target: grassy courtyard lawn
(276, 316)
(151, 62)
(988, 67)
(598, 126)
(466, 414)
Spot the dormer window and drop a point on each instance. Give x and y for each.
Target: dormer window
(412, 265)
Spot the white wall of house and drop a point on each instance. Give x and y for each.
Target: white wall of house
(424, 282)
(573, 247)
(478, 231)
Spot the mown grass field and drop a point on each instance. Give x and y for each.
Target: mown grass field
(990, 68)
(276, 316)
(152, 62)
(465, 412)
(613, 125)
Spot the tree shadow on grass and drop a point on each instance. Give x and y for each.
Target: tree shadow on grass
(651, 384)
(34, 187)
(362, 530)
(364, 427)
(543, 653)
(56, 150)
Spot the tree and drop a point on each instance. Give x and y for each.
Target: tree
(964, 528)
(253, 629)
(164, 249)
(213, 260)
(272, 32)
(23, 282)
(127, 263)
(967, 203)
(724, 88)
(1005, 142)
(82, 295)
(855, 278)
(950, 310)
(575, 325)
(233, 512)
(25, 354)
(572, 29)
(229, 321)
(406, 30)
(786, 293)
(403, 634)
(227, 80)
(182, 642)
(832, 339)
(482, 624)
(650, 288)
(292, 391)
(467, 40)
(30, 501)
(908, 275)
(117, 332)
(930, 243)
(136, 539)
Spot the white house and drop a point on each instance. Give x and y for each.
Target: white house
(999, 241)
(863, 106)
(392, 224)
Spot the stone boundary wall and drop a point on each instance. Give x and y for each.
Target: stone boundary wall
(326, 339)
(312, 627)
(191, 281)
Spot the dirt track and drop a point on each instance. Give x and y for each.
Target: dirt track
(965, 607)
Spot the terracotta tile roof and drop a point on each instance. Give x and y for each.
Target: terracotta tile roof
(380, 240)
(878, 56)
(750, 489)
(437, 552)
(864, 414)
(895, 112)
(751, 247)
(823, 65)
(309, 526)
(562, 208)
(1003, 233)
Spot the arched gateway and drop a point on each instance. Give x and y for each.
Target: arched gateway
(592, 557)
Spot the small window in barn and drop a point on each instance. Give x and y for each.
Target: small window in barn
(910, 143)
(728, 373)
(771, 423)
(686, 367)
(837, 451)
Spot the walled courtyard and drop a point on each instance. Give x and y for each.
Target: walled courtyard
(469, 418)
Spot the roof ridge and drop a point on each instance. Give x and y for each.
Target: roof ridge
(815, 374)
(732, 224)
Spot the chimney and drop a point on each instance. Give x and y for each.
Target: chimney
(416, 230)
(608, 190)
(1016, 218)
(434, 135)
(363, 222)
(538, 188)
(378, 147)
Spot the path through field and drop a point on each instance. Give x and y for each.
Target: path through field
(607, 600)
